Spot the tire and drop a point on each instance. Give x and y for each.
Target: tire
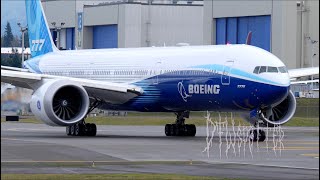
(188, 129)
(77, 129)
(72, 130)
(87, 129)
(93, 130)
(171, 127)
(253, 135)
(167, 130)
(194, 130)
(68, 130)
(262, 135)
(176, 130)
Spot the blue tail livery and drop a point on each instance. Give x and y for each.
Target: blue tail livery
(40, 40)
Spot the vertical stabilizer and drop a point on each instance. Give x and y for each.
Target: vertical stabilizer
(40, 39)
(249, 36)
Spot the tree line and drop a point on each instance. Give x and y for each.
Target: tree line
(9, 40)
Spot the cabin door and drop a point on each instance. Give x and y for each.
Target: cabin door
(225, 76)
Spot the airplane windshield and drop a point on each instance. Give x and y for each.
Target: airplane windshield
(272, 69)
(283, 69)
(269, 69)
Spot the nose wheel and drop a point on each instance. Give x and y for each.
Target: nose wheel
(256, 135)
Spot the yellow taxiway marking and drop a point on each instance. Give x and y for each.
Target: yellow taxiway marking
(316, 143)
(290, 148)
(11, 139)
(311, 155)
(302, 141)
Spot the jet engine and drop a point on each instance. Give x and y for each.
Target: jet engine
(276, 114)
(60, 102)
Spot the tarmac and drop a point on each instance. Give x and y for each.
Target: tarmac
(287, 153)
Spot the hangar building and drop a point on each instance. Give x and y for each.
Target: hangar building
(284, 28)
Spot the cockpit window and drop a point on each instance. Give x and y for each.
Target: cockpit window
(272, 69)
(269, 69)
(256, 70)
(283, 69)
(263, 69)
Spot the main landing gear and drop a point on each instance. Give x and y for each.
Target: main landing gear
(81, 128)
(179, 128)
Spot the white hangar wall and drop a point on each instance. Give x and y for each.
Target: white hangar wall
(137, 24)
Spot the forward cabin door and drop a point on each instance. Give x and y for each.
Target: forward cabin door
(225, 76)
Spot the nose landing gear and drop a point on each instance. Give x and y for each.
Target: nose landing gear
(256, 135)
(180, 128)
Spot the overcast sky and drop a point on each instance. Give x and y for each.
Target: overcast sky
(14, 12)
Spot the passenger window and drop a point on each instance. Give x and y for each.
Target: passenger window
(263, 69)
(272, 69)
(256, 70)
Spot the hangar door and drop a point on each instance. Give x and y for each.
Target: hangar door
(70, 39)
(54, 36)
(105, 36)
(234, 30)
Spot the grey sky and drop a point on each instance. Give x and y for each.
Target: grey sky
(14, 12)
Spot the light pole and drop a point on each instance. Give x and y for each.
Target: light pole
(313, 43)
(58, 29)
(23, 30)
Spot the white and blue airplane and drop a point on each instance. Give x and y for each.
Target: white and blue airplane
(68, 84)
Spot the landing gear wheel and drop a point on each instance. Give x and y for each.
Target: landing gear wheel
(254, 136)
(180, 130)
(93, 130)
(68, 130)
(191, 130)
(72, 130)
(78, 129)
(167, 130)
(177, 130)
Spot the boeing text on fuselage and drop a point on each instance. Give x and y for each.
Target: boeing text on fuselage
(203, 89)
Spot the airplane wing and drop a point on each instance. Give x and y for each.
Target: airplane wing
(14, 69)
(106, 91)
(301, 72)
(305, 82)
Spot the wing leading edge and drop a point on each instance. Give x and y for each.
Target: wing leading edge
(109, 92)
(301, 72)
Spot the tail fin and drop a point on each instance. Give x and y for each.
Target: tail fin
(40, 39)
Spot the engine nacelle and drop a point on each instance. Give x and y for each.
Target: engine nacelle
(277, 114)
(60, 102)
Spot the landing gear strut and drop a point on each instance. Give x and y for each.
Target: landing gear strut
(179, 128)
(81, 128)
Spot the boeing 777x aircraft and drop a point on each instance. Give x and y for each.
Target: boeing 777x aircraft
(67, 85)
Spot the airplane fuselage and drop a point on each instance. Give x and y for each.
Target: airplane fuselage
(195, 78)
